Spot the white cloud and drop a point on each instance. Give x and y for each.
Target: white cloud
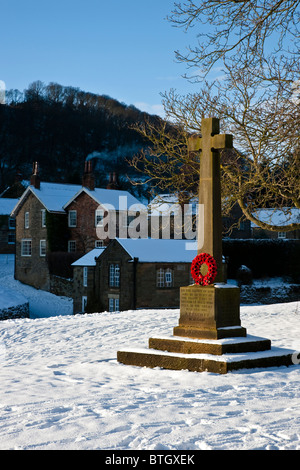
(157, 109)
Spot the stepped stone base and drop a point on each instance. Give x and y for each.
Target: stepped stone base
(228, 346)
(209, 337)
(207, 356)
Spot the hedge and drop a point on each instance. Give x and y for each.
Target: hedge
(265, 258)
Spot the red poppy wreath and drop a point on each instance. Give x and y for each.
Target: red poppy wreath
(204, 258)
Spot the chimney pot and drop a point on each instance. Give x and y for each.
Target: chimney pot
(35, 179)
(88, 179)
(112, 181)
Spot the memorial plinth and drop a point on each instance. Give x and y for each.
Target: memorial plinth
(207, 311)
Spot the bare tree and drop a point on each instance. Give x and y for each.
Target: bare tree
(245, 29)
(256, 97)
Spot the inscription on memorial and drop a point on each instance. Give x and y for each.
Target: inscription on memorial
(196, 305)
(209, 307)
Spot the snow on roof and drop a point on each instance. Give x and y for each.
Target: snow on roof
(89, 258)
(52, 196)
(55, 197)
(120, 200)
(277, 216)
(167, 204)
(157, 250)
(7, 205)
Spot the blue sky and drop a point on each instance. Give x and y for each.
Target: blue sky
(121, 48)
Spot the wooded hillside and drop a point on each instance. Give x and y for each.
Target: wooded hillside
(60, 127)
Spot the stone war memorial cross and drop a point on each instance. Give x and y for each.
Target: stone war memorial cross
(209, 336)
(210, 186)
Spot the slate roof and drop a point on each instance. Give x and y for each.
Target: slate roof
(149, 250)
(120, 200)
(7, 205)
(55, 197)
(89, 258)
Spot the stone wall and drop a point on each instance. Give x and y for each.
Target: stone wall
(269, 294)
(61, 286)
(149, 295)
(17, 311)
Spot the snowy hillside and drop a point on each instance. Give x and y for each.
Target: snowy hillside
(62, 388)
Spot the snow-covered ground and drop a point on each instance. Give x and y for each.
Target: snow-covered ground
(61, 386)
(41, 304)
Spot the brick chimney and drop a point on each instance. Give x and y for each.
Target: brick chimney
(113, 181)
(35, 179)
(88, 179)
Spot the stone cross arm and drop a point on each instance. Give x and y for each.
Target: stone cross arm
(217, 142)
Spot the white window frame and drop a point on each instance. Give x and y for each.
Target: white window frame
(164, 277)
(114, 275)
(43, 216)
(113, 304)
(12, 223)
(43, 248)
(281, 235)
(26, 220)
(99, 216)
(26, 243)
(70, 244)
(168, 277)
(71, 222)
(85, 276)
(99, 243)
(160, 278)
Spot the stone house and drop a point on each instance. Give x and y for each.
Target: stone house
(7, 225)
(55, 224)
(90, 220)
(84, 279)
(39, 202)
(132, 274)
